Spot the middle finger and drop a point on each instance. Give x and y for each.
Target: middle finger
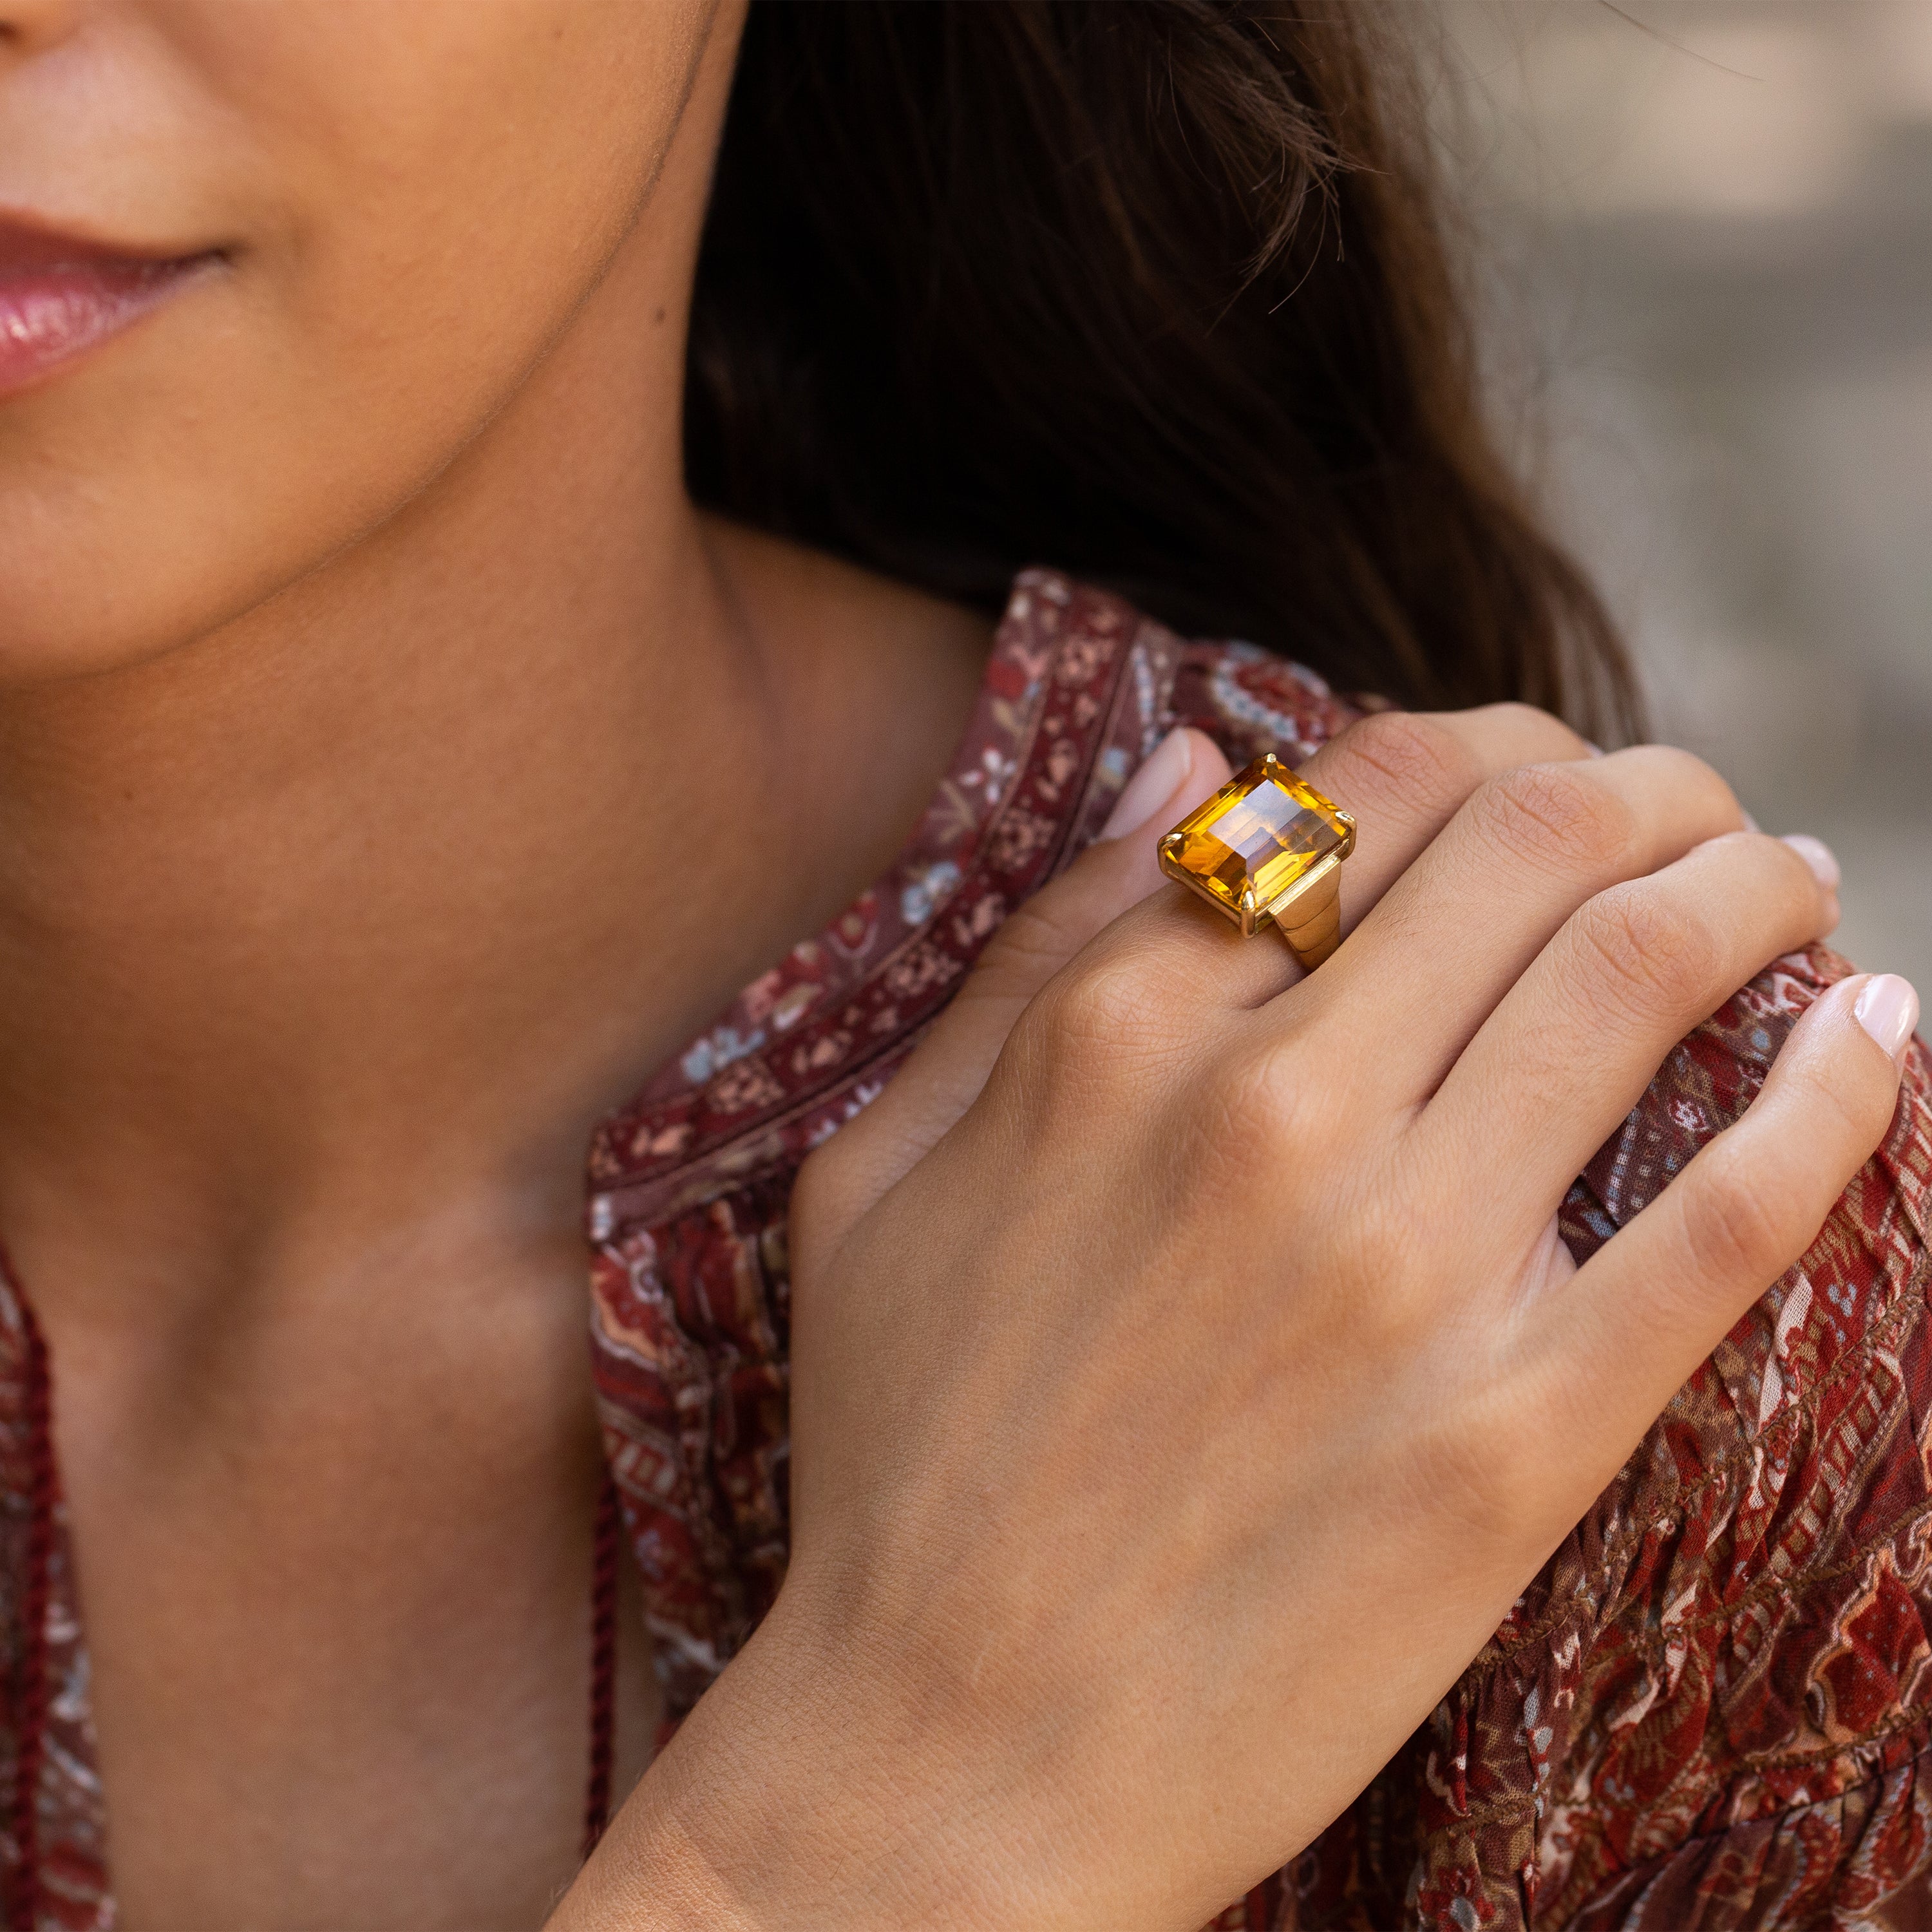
(1452, 935)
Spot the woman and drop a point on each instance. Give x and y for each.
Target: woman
(1196, 1357)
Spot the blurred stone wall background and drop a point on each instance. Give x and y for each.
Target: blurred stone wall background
(1707, 240)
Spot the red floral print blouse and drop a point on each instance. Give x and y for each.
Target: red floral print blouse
(1713, 1707)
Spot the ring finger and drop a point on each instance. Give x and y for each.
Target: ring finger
(1633, 971)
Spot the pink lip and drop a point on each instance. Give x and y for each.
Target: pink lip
(60, 297)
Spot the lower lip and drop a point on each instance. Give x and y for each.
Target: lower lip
(50, 316)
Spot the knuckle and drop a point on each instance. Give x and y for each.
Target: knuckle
(1736, 1228)
(1518, 723)
(1397, 1296)
(1846, 1118)
(1030, 944)
(1780, 891)
(1099, 1034)
(1098, 1002)
(1848, 1115)
(1557, 816)
(1800, 889)
(1257, 1107)
(1418, 757)
(1692, 782)
(1658, 957)
(1472, 1462)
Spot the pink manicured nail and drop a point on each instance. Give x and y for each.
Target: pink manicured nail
(1888, 1009)
(1595, 750)
(1751, 823)
(1151, 786)
(1818, 856)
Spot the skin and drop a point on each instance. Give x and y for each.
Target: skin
(361, 661)
(1197, 1456)
(368, 687)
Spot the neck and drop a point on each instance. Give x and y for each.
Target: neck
(276, 876)
(388, 876)
(357, 910)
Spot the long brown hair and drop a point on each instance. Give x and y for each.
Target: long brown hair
(1154, 290)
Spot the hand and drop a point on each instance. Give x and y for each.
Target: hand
(1187, 1372)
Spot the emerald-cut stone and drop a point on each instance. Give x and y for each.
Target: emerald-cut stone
(1261, 833)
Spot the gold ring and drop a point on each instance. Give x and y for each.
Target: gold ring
(1267, 850)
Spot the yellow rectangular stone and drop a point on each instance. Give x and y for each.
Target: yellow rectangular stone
(1261, 833)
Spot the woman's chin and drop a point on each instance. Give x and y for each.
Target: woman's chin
(84, 598)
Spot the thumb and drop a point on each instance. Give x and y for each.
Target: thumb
(943, 1077)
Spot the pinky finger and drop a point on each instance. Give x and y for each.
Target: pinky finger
(1635, 1321)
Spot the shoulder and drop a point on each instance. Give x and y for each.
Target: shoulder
(1251, 701)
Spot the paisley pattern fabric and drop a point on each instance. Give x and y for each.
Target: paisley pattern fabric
(1711, 1708)
(73, 1893)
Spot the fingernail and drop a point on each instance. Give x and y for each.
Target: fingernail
(1818, 856)
(1595, 750)
(1888, 1009)
(1751, 823)
(1151, 786)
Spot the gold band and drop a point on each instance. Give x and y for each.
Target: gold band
(1310, 919)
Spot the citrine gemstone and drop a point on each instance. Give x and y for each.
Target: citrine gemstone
(1263, 829)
